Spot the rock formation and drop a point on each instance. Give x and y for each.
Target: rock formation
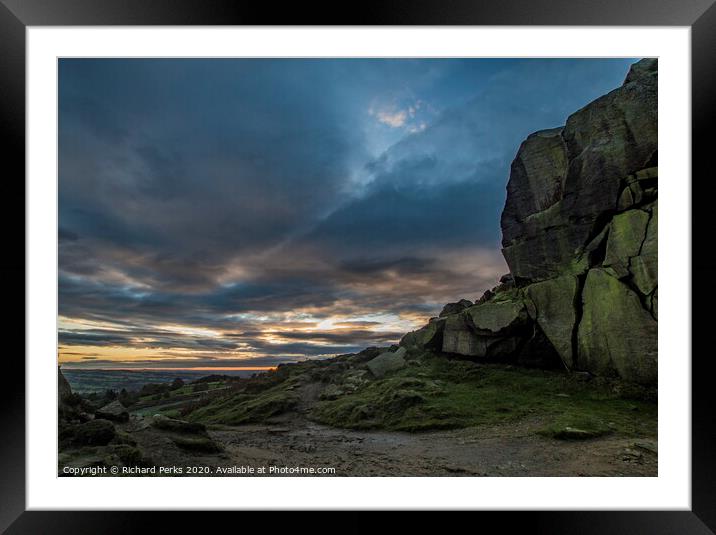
(580, 238)
(114, 411)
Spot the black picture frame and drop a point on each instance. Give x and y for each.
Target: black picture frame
(699, 15)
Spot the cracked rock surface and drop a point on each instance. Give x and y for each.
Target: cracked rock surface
(580, 227)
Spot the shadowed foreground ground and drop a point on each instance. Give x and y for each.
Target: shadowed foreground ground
(435, 416)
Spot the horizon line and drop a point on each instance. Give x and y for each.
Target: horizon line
(196, 368)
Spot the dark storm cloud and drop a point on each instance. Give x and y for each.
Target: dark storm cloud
(212, 158)
(246, 196)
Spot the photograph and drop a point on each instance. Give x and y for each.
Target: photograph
(357, 266)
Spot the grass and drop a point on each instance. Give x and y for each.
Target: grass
(187, 389)
(444, 394)
(434, 392)
(242, 408)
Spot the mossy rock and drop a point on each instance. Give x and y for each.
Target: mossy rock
(249, 407)
(428, 337)
(93, 433)
(551, 305)
(645, 267)
(616, 334)
(177, 426)
(460, 338)
(387, 362)
(497, 317)
(627, 231)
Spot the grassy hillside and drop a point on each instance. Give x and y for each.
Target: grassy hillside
(434, 392)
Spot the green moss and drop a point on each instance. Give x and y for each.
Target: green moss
(443, 394)
(241, 408)
(128, 455)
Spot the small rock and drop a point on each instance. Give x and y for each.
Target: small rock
(630, 455)
(648, 446)
(574, 433)
(277, 430)
(583, 376)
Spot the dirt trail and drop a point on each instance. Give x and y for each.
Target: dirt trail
(506, 450)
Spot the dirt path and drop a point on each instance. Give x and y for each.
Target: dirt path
(507, 450)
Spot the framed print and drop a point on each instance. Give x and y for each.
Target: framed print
(409, 261)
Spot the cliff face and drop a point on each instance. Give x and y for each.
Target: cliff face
(580, 238)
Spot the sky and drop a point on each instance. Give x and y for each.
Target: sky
(248, 212)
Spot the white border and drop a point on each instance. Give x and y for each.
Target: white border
(671, 490)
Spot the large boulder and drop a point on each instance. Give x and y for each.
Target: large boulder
(579, 234)
(494, 329)
(551, 304)
(428, 337)
(497, 317)
(459, 337)
(387, 362)
(617, 335)
(580, 228)
(564, 181)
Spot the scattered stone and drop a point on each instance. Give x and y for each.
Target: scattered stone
(647, 445)
(630, 455)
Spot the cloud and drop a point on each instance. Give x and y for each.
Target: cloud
(238, 211)
(407, 113)
(394, 119)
